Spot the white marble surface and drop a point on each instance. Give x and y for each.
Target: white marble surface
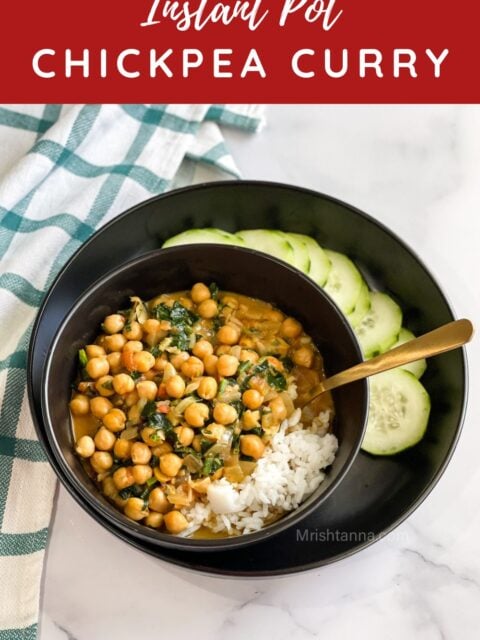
(417, 169)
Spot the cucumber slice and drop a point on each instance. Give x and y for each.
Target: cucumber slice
(379, 329)
(418, 367)
(320, 264)
(300, 251)
(398, 415)
(196, 236)
(362, 306)
(274, 243)
(344, 281)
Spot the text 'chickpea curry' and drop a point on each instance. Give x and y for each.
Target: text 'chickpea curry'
(179, 392)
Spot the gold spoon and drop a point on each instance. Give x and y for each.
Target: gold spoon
(445, 338)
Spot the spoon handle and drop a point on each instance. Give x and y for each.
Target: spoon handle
(445, 338)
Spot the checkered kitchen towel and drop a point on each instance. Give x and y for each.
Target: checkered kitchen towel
(65, 171)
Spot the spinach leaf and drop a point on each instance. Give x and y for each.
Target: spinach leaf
(276, 379)
(214, 290)
(211, 464)
(161, 312)
(82, 358)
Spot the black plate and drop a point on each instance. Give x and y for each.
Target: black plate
(378, 493)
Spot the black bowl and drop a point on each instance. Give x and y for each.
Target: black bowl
(234, 269)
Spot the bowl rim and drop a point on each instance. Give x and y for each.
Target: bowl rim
(279, 186)
(166, 539)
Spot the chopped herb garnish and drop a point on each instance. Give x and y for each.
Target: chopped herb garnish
(180, 315)
(107, 385)
(214, 290)
(181, 340)
(154, 461)
(155, 351)
(257, 431)
(135, 375)
(223, 385)
(135, 491)
(205, 445)
(151, 481)
(82, 358)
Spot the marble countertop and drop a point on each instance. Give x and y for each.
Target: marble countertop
(417, 170)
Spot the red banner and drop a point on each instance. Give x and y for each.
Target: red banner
(322, 51)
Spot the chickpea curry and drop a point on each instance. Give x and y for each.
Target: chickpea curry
(185, 389)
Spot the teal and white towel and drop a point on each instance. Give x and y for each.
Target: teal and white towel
(64, 172)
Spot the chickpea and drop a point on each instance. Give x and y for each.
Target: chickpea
(142, 473)
(134, 509)
(175, 521)
(80, 405)
(123, 383)
(147, 389)
(227, 365)
(133, 331)
(162, 449)
(224, 413)
(207, 389)
(114, 420)
(131, 398)
(193, 367)
(104, 439)
(248, 354)
(122, 449)
(291, 328)
(100, 406)
(185, 435)
(274, 316)
(196, 414)
(143, 361)
(150, 326)
(108, 487)
(178, 359)
(114, 360)
(113, 323)
(140, 453)
(202, 348)
(252, 445)
(104, 386)
(208, 309)
(133, 345)
(154, 520)
(228, 334)
(197, 443)
(123, 478)
(210, 363)
(160, 362)
(222, 349)
(175, 386)
(303, 357)
(170, 464)
(147, 433)
(247, 342)
(250, 419)
(85, 447)
(94, 351)
(97, 367)
(101, 461)
(157, 501)
(214, 431)
(115, 342)
(278, 408)
(200, 292)
(252, 399)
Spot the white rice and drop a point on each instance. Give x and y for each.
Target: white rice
(289, 471)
